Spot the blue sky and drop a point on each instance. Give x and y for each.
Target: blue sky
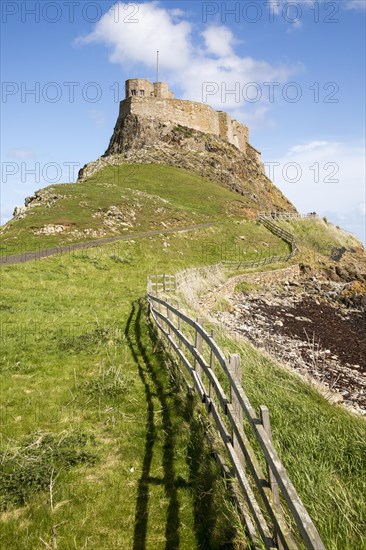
(294, 72)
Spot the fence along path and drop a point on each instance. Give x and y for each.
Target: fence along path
(207, 366)
(286, 215)
(267, 220)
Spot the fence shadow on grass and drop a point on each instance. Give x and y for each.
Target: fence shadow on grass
(163, 391)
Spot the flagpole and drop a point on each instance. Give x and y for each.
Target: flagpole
(157, 65)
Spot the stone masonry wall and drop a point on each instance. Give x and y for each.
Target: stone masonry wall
(197, 116)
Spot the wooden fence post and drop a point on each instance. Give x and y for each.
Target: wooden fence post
(212, 362)
(168, 316)
(235, 370)
(171, 318)
(178, 327)
(164, 278)
(264, 414)
(157, 284)
(198, 346)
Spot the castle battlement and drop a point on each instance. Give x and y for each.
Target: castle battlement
(140, 87)
(156, 101)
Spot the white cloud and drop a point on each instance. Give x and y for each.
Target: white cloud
(219, 41)
(326, 177)
(20, 153)
(362, 208)
(186, 62)
(317, 146)
(357, 5)
(295, 26)
(156, 29)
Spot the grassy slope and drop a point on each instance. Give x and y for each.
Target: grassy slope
(187, 199)
(322, 446)
(66, 321)
(319, 236)
(77, 355)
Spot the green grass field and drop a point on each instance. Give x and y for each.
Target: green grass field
(78, 362)
(100, 445)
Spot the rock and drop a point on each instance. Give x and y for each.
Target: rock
(304, 268)
(50, 230)
(141, 139)
(29, 200)
(342, 273)
(19, 212)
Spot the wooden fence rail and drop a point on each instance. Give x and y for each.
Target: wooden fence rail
(267, 220)
(286, 215)
(210, 371)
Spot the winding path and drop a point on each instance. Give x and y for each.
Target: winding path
(45, 253)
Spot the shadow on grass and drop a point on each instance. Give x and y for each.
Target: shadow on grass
(163, 389)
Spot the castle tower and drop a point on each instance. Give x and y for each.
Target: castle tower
(140, 87)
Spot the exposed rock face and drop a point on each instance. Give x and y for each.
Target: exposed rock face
(50, 229)
(19, 212)
(43, 197)
(138, 140)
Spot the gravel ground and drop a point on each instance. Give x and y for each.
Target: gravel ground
(304, 326)
(342, 333)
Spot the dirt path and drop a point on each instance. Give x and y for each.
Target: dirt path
(259, 277)
(41, 254)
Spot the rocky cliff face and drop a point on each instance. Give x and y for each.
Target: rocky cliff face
(143, 140)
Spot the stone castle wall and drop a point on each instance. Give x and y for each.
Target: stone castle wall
(155, 101)
(198, 116)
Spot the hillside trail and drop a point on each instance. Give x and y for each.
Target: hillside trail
(41, 254)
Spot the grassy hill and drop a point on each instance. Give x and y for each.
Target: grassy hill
(124, 199)
(100, 447)
(319, 235)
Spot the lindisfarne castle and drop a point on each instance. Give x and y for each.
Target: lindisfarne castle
(153, 127)
(156, 101)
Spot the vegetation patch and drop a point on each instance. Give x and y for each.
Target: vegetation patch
(246, 287)
(222, 304)
(184, 131)
(110, 382)
(88, 341)
(39, 459)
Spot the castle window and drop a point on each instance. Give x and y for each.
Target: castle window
(142, 93)
(133, 92)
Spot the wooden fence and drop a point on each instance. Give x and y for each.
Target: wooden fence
(267, 220)
(286, 215)
(211, 372)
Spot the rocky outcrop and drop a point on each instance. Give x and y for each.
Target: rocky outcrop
(138, 140)
(44, 197)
